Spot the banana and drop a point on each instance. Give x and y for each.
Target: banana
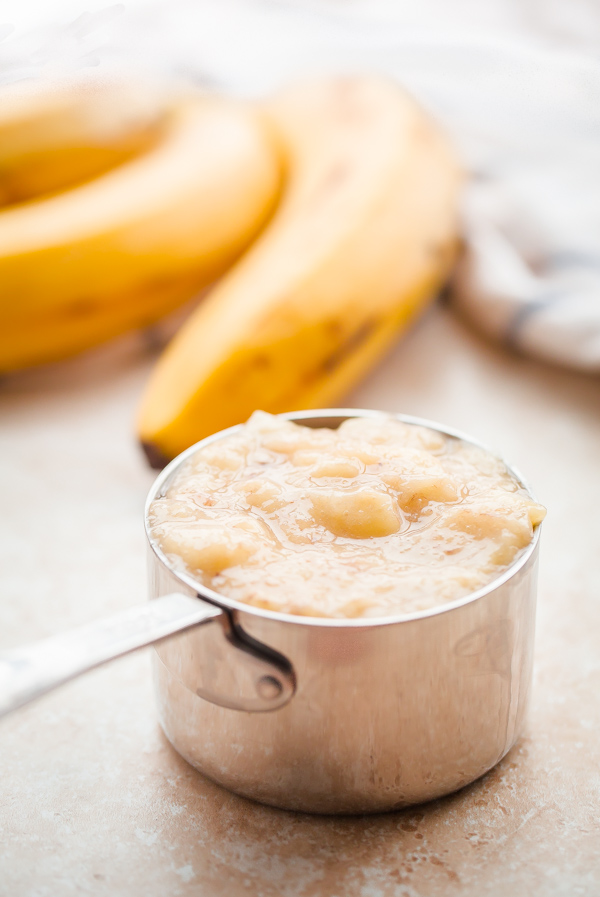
(54, 134)
(364, 236)
(53, 337)
(138, 240)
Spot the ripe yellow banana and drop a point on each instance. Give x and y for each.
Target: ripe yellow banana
(56, 134)
(364, 236)
(132, 244)
(55, 336)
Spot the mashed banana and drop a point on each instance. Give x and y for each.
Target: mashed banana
(376, 518)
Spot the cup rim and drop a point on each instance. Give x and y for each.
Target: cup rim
(324, 414)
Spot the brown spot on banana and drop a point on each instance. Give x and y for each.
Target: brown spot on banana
(349, 345)
(261, 360)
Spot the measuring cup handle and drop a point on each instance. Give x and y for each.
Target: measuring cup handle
(32, 670)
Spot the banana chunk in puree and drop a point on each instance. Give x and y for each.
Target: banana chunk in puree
(374, 519)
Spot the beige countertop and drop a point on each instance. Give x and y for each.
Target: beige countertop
(92, 798)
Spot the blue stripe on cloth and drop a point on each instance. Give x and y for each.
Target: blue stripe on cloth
(568, 258)
(527, 312)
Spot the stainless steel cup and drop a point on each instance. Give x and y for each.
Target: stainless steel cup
(321, 715)
(386, 712)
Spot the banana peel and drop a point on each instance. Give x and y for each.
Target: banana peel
(52, 337)
(121, 250)
(58, 133)
(364, 236)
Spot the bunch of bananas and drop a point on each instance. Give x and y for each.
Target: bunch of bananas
(328, 213)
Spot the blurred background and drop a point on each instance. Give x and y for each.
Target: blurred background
(515, 84)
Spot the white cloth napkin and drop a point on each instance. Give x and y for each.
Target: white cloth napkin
(524, 115)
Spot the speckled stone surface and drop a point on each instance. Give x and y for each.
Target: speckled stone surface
(92, 798)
